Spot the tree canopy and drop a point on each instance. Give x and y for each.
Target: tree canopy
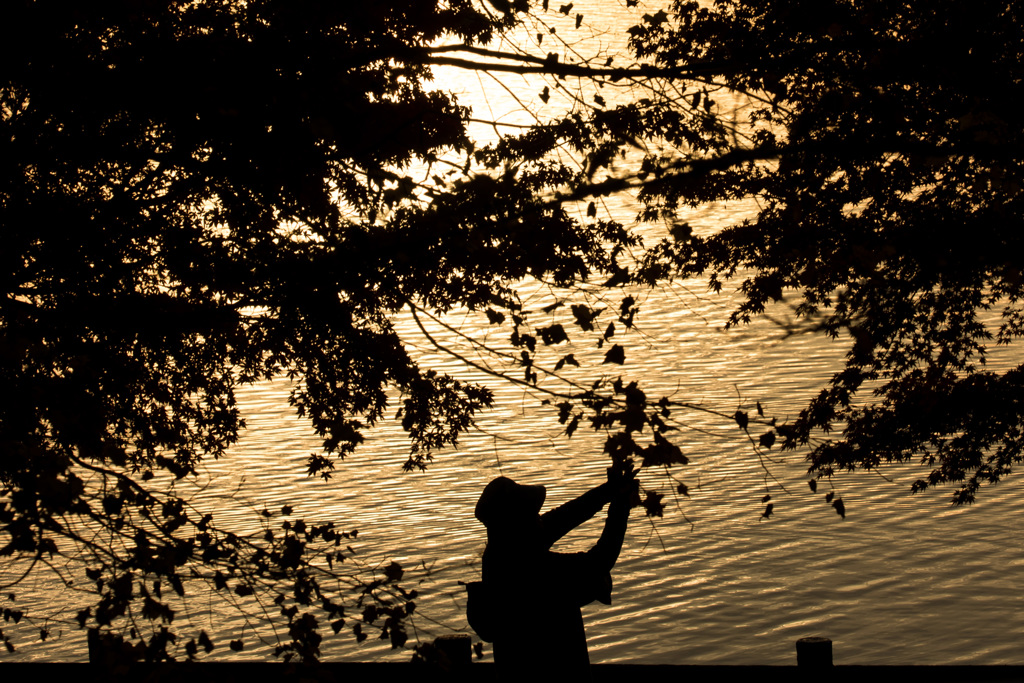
(891, 205)
(199, 195)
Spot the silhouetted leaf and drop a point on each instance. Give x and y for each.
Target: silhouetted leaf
(619, 278)
(652, 504)
(553, 307)
(393, 572)
(585, 316)
(616, 354)
(660, 17)
(568, 359)
(681, 232)
(570, 428)
(555, 334)
(663, 453)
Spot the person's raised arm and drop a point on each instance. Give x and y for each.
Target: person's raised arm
(606, 551)
(564, 518)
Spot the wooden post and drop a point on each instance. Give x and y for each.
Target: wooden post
(95, 646)
(814, 652)
(457, 649)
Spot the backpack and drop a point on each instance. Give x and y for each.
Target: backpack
(481, 610)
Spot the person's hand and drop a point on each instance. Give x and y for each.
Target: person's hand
(623, 480)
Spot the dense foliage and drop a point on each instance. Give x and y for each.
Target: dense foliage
(885, 149)
(201, 194)
(198, 195)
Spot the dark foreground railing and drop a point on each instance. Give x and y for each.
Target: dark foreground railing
(412, 673)
(453, 662)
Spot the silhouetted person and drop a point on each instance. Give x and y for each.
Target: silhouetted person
(535, 594)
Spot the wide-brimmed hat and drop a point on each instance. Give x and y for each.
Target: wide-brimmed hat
(503, 500)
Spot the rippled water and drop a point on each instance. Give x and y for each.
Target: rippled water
(902, 580)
